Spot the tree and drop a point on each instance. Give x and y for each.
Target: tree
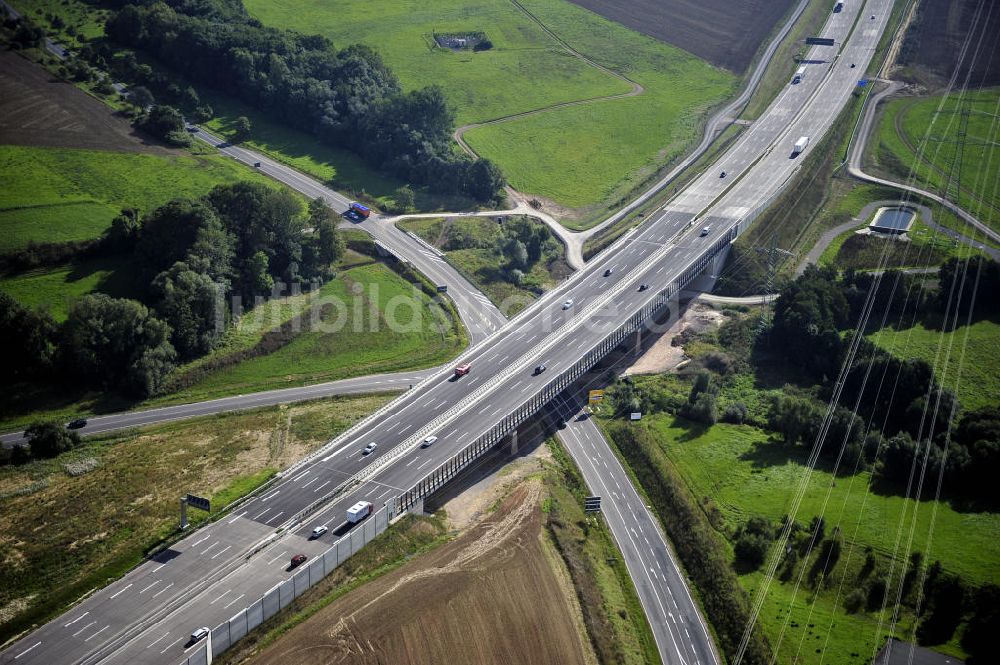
(167, 124)
(48, 438)
(123, 233)
(241, 128)
(404, 198)
(203, 113)
(118, 343)
(483, 180)
(327, 247)
(258, 278)
(170, 231)
(27, 340)
(193, 306)
(140, 97)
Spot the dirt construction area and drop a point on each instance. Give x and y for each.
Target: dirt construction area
(723, 32)
(667, 352)
(37, 109)
(494, 595)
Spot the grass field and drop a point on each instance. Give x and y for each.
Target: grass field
(56, 288)
(965, 360)
(738, 472)
(65, 534)
(56, 195)
(378, 331)
(624, 140)
(82, 18)
(931, 128)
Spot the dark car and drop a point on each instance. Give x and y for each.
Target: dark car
(77, 424)
(256, 165)
(539, 369)
(643, 287)
(608, 272)
(298, 560)
(722, 175)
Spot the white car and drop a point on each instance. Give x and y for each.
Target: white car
(319, 531)
(568, 304)
(200, 634)
(428, 442)
(369, 449)
(704, 231)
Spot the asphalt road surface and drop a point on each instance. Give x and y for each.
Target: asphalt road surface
(146, 616)
(365, 384)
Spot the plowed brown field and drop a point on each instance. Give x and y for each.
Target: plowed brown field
(488, 597)
(727, 33)
(38, 109)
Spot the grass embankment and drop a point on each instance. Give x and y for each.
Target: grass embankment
(79, 19)
(364, 324)
(72, 523)
(919, 140)
(470, 245)
(50, 195)
(526, 70)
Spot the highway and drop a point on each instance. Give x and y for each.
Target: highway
(672, 614)
(146, 616)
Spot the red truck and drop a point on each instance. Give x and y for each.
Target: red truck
(462, 370)
(358, 211)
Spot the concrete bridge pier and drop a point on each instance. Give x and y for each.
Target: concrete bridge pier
(513, 442)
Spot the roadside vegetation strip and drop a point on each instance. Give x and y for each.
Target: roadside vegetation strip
(114, 514)
(45, 190)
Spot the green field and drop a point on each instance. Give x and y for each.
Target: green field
(583, 155)
(68, 530)
(58, 195)
(738, 472)
(931, 127)
(379, 332)
(965, 361)
(578, 156)
(56, 288)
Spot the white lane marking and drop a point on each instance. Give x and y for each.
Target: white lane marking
(171, 644)
(196, 544)
(443, 402)
(162, 590)
(412, 461)
(238, 516)
(450, 433)
(84, 628)
(277, 557)
(228, 547)
(158, 567)
(150, 586)
(227, 591)
(315, 478)
(122, 591)
(275, 492)
(269, 520)
(97, 633)
(258, 515)
(157, 640)
(301, 475)
(234, 600)
(321, 486)
(76, 619)
(429, 460)
(27, 650)
(205, 551)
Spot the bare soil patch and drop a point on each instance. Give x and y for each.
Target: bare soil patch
(489, 596)
(723, 32)
(38, 109)
(667, 353)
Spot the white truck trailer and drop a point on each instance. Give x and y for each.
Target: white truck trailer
(800, 145)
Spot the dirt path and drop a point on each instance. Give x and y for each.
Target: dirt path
(489, 596)
(637, 89)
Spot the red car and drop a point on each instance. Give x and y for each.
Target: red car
(462, 370)
(298, 560)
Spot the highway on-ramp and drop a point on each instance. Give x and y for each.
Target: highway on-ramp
(146, 616)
